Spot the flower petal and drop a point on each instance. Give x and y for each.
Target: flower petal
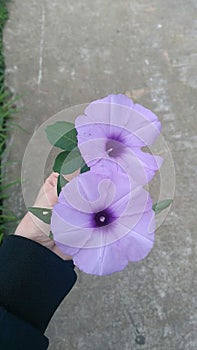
(67, 250)
(140, 240)
(120, 99)
(92, 150)
(68, 233)
(136, 246)
(89, 130)
(134, 167)
(88, 193)
(148, 113)
(149, 160)
(113, 121)
(116, 110)
(104, 260)
(114, 257)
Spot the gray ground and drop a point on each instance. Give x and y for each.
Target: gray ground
(62, 53)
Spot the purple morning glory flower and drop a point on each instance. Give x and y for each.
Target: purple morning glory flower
(116, 128)
(103, 220)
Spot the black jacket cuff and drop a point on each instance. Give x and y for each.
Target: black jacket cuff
(16, 334)
(34, 280)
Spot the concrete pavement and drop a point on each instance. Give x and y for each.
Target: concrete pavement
(64, 53)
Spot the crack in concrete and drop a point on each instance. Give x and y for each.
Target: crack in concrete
(41, 46)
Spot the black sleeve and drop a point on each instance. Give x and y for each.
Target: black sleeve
(33, 282)
(16, 334)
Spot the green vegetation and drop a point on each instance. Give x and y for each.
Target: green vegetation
(7, 108)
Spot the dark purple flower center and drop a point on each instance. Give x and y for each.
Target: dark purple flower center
(115, 147)
(103, 218)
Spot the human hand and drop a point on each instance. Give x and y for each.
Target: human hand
(33, 228)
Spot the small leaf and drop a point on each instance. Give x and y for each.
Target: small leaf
(51, 235)
(62, 135)
(59, 161)
(43, 214)
(84, 169)
(61, 182)
(1, 238)
(158, 207)
(72, 162)
(71, 140)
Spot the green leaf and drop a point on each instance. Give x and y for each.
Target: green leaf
(1, 238)
(158, 207)
(59, 161)
(70, 139)
(62, 135)
(72, 162)
(84, 169)
(51, 235)
(61, 182)
(43, 214)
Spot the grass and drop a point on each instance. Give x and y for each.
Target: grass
(7, 109)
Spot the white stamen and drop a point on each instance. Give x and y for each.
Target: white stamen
(102, 218)
(109, 150)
